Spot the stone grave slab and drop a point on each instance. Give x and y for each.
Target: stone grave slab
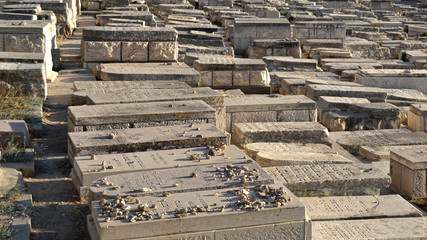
(83, 88)
(408, 171)
(151, 114)
(331, 103)
(393, 78)
(358, 207)
(352, 141)
(89, 170)
(271, 159)
(382, 153)
(142, 139)
(148, 72)
(252, 149)
(390, 228)
(269, 109)
(9, 179)
(331, 179)
(15, 131)
(211, 219)
(291, 132)
(211, 97)
(417, 117)
(314, 91)
(185, 179)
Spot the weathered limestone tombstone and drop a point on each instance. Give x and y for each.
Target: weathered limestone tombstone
(22, 8)
(143, 139)
(272, 159)
(269, 109)
(319, 30)
(353, 141)
(351, 207)
(219, 216)
(147, 72)
(387, 228)
(279, 47)
(128, 44)
(148, 18)
(246, 30)
(417, 117)
(122, 116)
(382, 153)
(211, 97)
(184, 179)
(280, 83)
(393, 78)
(331, 179)
(314, 91)
(363, 116)
(14, 132)
(83, 88)
(408, 171)
(290, 132)
(88, 170)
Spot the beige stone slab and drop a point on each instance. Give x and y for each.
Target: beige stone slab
(142, 139)
(134, 51)
(88, 168)
(253, 148)
(184, 179)
(267, 103)
(271, 159)
(382, 229)
(307, 132)
(101, 51)
(414, 158)
(211, 97)
(331, 179)
(163, 51)
(382, 153)
(353, 207)
(213, 219)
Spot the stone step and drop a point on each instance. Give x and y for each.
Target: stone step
(358, 207)
(331, 179)
(387, 228)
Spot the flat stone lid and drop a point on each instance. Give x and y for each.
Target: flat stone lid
(383, 228)
(214, 217)
(393, 73)
(140, 112)
(147, 34)
(126, 140)
(31, 27)
(268, 103)
(415, 158)
(89, 169)
(351, 207)
(208, 95)
(419, 108)
(184, 179)
(340, 102)
(253, 148)
(270, 159)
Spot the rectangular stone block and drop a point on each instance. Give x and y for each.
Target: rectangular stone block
(351, 207)
(104, 117)
(383, 228)
(137, 139)
(212, 219)
(331, 179)
(101, 51)
(134, 51)
(176, 180)
(87, 169)
(14, 132)
(259, 78)
(308, 132)
(314, 91)
(163, 51)
(222, 78)
(24, 43)
(272, 159)
(417, 117)
(240, 78)
(209, 96)
(408, 169)
(205, 79)
(83, 88)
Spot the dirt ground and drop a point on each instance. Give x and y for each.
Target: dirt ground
(57, 212)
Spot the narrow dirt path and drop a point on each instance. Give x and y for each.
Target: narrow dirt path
(57, 212)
